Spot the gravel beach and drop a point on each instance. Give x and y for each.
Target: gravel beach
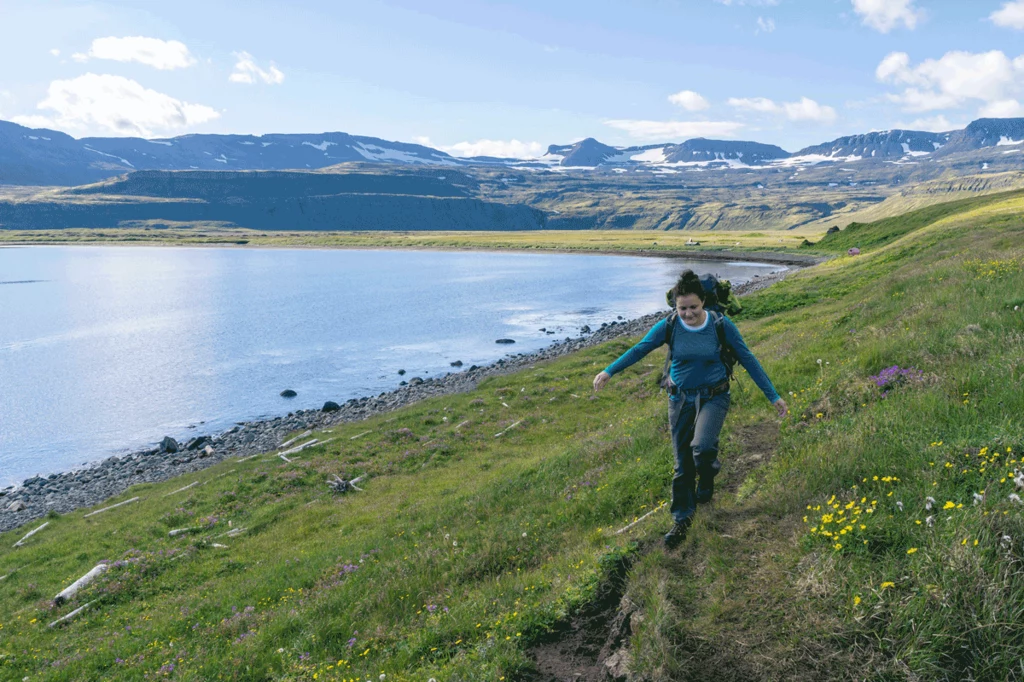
(65, 492)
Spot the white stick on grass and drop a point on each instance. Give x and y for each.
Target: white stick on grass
(181, 489)
(71, 615)
(509, 428)
(113, 506)
(20, 542)
(72, 589)
(292, 440)
(625, 528)
(360, 435)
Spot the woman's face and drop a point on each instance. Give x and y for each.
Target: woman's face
(690, 309)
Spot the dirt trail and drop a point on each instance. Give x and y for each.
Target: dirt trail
(593, 645)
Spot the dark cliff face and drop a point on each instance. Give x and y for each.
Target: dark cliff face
(588, 152)
(886, 144)
(252, 185)
(985, 132)
(700, 149)
(330, 212)
(46, 157)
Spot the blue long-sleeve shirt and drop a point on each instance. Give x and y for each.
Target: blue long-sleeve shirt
(695, 358)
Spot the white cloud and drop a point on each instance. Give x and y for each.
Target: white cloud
(885, 15)
(765, 25)
(804, 110)
(762, 104)
(689, 100)
(55, 52)
(160, 54)
(660, 130)
(809, 110)
(1010, 16)
(114, 105)
(953, 79)
(511, 149)
(246, 71)
(1004, 108)
(932, 124)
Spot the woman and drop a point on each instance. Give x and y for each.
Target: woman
(698, 392)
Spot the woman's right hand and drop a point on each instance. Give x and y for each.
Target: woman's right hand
(600, 380)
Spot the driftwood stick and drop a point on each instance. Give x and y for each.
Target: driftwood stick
(509, 428)
(360, 435)
(113, 506)
(231, 533)
(292, 440)
(181, 489)
(71, 615)
(5, 577)
(20, 542)
(285, 458)
(72, 589)
(340, 485)
(300, 448)
(246, 459)
(460, 425)
(182, 531)
(627, 527)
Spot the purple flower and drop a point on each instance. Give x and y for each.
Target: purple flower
(351, 643)
(431, 608)
(304, 656)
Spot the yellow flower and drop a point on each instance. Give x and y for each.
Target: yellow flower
(911, 550)
(856, 601)
(948, 505)
(887, 584)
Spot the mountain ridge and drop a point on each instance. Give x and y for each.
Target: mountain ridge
(31, 156)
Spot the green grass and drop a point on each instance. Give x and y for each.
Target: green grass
(512, 533)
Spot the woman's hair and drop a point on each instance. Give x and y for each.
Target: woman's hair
(689, 283)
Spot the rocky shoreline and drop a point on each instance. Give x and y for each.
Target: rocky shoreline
(67, 491)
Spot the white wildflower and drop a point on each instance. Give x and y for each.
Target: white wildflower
(899, 505)
(978, 499)
(1014, 497)
(1018, 479)
(524, 535)
(930, 521)
(928, 502)
(1005, 542)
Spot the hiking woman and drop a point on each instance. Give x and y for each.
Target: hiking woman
(698, 386)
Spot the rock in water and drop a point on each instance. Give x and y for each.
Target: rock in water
(330, 406)
(288, 393)
(585, 329)
(505, 341)
(457, 363)
(401, 372)
(168, 444)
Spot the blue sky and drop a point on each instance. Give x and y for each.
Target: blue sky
(512, 77)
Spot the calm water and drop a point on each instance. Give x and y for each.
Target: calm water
(108, 349)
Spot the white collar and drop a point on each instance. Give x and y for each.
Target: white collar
(696, 329)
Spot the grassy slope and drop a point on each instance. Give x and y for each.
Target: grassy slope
(469, 545)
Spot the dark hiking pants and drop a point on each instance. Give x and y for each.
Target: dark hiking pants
(695, 422)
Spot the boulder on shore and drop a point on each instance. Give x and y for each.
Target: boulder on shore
(505, 341)
(168, 444)
(288, 393)
(330, 406)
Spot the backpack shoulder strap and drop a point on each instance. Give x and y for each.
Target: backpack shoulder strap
(724, 350)
(670, 325)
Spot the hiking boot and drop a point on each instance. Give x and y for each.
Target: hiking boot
(704, 492)
(675, 537)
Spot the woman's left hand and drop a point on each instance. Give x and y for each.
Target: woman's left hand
(781, 408)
